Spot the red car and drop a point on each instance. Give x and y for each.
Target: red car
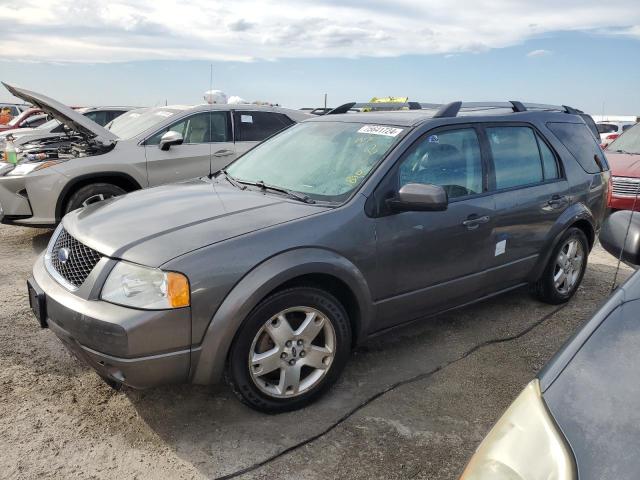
(624, 159)
(30, 118)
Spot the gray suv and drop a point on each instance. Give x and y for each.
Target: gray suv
(341, 227)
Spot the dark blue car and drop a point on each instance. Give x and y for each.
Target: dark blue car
(580, 418)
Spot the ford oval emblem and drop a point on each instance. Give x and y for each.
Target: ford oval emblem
(63, 255)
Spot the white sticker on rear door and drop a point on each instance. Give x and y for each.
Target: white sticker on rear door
(501, 247)
(246, 118)
(381, 130)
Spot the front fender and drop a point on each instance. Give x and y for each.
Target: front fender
(208, 360)
(578, 212)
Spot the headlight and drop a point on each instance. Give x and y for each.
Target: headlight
(146, 288)
(524, 444)
(25, 168)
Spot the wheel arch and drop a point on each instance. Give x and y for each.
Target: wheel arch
(305, 266)
(577, 215)
(120, 179)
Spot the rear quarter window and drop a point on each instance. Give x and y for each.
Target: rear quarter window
(252, 126)
(577, 138)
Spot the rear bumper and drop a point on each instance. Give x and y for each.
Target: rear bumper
(137, 348)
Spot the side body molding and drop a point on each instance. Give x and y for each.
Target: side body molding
(208, 360)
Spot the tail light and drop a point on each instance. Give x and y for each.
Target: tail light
(610, 190)
(613, 136)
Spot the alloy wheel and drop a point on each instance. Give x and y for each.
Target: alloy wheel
(568, 266)
(292, 352)
(96, 198)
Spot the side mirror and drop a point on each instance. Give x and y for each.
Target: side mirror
(618, 235)
(170, 138)
(419, 197)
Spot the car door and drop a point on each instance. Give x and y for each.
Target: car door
(430, 261)
(530, 194)
(252, 127)
(207, 136)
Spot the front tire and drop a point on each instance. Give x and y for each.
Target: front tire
(92, 193)
(290, 349)
(565, 270)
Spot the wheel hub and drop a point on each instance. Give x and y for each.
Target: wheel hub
(297, 355)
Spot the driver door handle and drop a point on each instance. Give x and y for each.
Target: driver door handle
(223, 153)
(473, 221)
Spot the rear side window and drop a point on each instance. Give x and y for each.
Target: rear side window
(516, 157)
(256, 126)
(579, 141)
(607, 128)
(100, 117)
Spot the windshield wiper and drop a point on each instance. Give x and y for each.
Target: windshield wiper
(231, 180)
(625, 152)
(290, 193)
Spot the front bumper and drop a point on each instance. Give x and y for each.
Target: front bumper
(137, 348)
(623, 203)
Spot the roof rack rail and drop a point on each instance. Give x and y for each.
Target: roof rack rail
(453, 109)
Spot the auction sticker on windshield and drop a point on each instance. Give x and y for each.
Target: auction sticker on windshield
(380, 130)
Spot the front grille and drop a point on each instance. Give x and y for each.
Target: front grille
(625, 187)
(80, 259)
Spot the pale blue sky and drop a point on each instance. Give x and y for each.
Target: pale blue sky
(573, 52)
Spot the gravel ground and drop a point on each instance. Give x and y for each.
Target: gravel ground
(458, 372)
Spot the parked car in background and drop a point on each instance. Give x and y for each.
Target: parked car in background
(579, 418)
(56, 133)
(336, 229)
(30, 118)
(609, 131)
(137, 150)
(15, 109)
(624, 158)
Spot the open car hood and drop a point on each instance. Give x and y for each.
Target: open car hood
(72, 119)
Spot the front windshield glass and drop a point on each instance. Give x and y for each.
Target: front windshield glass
(629, 142)
(325, 160)
(134, 122)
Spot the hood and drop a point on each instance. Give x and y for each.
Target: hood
(152, 226)
(623, 164)
(64, 114)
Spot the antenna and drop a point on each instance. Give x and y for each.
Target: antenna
(626, 235)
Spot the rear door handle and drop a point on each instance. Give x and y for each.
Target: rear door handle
(223, 153)
(557, 201)
(473, 221)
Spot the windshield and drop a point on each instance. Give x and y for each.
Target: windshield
(133, 123)
(629, 142)
(325, 160)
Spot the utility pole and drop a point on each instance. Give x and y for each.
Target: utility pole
(325, 100)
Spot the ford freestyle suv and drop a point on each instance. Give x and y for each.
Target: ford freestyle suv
(139, 149)
(338, 228)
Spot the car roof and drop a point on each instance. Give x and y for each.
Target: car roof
(412, 118)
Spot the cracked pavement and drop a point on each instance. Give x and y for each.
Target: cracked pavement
(58, 419)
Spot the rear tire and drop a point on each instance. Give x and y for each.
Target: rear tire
(290, 349)
(92, 193)
(565, 270)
